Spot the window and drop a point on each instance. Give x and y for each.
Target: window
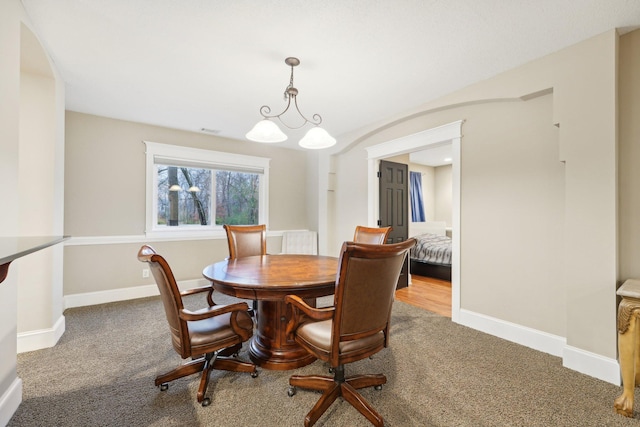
(177, 207)
(193, 192)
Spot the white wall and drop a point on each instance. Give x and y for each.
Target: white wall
(442, 193)
(578, 87)
(41, 183)
(10, 15)
(629, 155)
(31, 146)
(513, 215)
(105, 163)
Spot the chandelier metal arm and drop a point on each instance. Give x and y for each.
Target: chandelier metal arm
(316, 119)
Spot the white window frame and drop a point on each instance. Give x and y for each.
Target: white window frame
(157, 153)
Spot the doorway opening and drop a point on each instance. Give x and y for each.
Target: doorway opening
(449, 133)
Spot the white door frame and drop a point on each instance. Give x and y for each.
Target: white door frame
(452, 133)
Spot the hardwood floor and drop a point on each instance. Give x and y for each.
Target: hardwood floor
(428, 293)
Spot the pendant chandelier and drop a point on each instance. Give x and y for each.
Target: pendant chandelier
(266, 130)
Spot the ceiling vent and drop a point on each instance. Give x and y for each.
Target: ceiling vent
(211, 131)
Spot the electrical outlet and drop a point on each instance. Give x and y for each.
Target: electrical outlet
(145, 273)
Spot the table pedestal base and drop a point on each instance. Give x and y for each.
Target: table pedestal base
(269, 347)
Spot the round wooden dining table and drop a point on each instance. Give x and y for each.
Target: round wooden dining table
(268, 279)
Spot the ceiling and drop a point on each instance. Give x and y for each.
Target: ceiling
(204, 64)
(436, 156)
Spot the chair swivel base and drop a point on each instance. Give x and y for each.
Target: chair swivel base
(205, 364)
(332, 388)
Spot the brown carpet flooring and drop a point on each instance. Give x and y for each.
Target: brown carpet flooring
(439, 374)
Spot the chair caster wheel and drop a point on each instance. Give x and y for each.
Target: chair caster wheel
(378, 387)
(206, 402)
(291, 391)
(164, 387)
(254, 374)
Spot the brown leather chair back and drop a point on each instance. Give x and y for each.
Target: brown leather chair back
(371, 235)
(209, 336)
(367, 279)
(356, 327)
(171, 299)
(246, 240)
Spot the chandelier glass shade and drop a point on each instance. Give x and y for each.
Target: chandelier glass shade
(317, 138)
(267, 130)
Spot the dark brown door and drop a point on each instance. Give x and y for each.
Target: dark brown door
(394, 205)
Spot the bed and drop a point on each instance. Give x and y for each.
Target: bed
(431, 257)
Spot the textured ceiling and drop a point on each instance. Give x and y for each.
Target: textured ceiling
(196, 64)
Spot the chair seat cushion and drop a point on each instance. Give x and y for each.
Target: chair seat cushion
(316, 337)
(216, 332)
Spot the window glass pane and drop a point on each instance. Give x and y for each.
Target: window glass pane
(184, 195)
(237, 198)
(226, 188)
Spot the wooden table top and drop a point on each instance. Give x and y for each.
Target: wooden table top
(274, 276)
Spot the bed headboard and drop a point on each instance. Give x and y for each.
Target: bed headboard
(434, 227)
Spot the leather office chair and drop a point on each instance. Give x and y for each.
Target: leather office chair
(356, 327)
(247, 240)
(374, 236)
(208, 336)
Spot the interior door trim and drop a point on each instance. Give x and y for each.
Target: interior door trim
(451, 132)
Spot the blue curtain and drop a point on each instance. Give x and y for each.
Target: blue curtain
(415, 194)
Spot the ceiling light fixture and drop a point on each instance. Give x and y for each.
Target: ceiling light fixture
(268, 131)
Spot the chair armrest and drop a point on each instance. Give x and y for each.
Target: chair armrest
(314, 313)
(216, 310)
(206, 288)
(298, 305)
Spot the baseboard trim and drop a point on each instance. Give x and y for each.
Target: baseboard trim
(10, 401)
(41, 338)
(594, 365)
(573, 358)
(123, 294)
(532, 338)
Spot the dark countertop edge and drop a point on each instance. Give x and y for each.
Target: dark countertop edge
(45, 242)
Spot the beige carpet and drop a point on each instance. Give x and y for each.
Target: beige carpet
(439, 374)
